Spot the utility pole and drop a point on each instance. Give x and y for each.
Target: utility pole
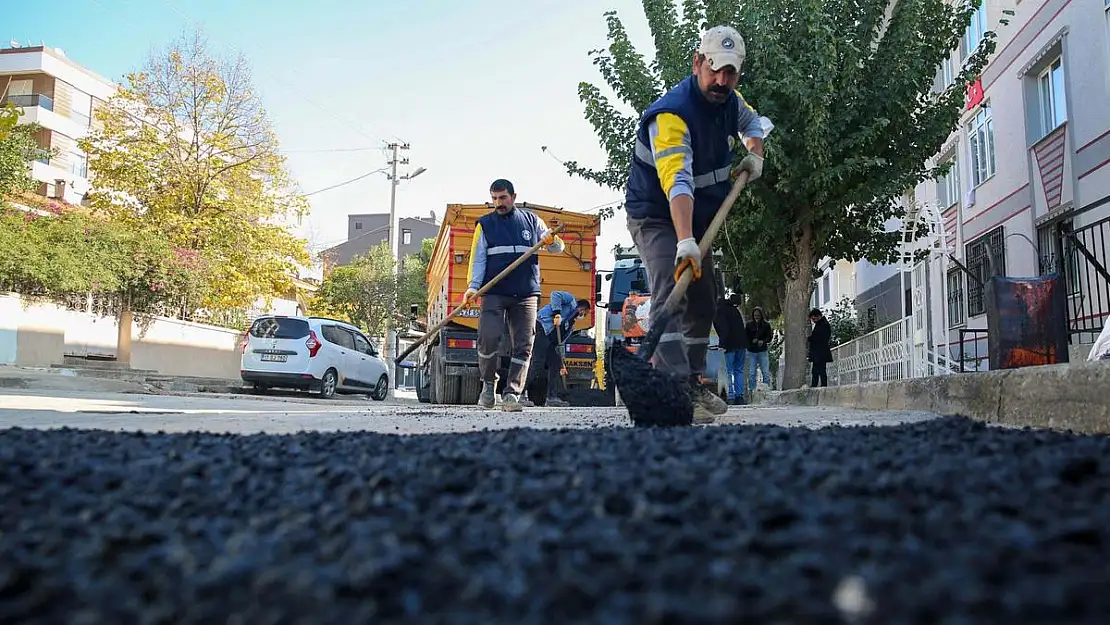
(392, 341)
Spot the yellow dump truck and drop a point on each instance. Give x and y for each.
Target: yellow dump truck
(448, 363)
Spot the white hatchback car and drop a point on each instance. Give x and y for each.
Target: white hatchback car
(312, 353)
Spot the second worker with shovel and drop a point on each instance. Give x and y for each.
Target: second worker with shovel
(500, 237)
(680, 175)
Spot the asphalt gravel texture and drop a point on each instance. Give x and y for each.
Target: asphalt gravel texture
(653, 398)
(943, 521)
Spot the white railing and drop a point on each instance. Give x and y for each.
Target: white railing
(887, 354)
(877, 356)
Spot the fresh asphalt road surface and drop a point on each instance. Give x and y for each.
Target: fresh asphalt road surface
(289, 413)
(575, 517)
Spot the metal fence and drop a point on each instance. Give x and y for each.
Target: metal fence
(874, 357)
(1085, 249)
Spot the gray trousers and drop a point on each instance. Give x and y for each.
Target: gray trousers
(685, 342)
(519, 314)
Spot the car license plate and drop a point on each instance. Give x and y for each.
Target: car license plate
(274, 357)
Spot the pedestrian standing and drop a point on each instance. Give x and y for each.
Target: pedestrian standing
(759, 341)
(820, 352)
(501, 237)
(733, 339)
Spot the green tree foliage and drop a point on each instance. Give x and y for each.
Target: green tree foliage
(848, 85)
(9, 117)
(412, 286)
(186, 150)
(18, 147)
(362, 292)
(845, 323)
(68, 252)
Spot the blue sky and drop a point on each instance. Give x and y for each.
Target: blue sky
(476, 87)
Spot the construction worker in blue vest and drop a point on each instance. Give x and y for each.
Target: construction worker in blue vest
(680, 174)
(554, 323)
(500, 237)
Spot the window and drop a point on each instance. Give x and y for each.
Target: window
(986, 257)
(80, 107)
(948, 186)
(1058, 255)
(826, 289)
(976, 29)
(78, 164)
(980, 137)
(358, 225)
(279, 328)
(957, 309)
(406, 237)
(21, 87)
(1050, 92)
(947, 74)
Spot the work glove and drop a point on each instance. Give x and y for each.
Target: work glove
(547, 238)
(753, 164)
(469, 295)
(687, 254)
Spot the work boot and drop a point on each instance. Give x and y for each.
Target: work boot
(486, 398)
(706, 404)
(555, 402)
(510, 402)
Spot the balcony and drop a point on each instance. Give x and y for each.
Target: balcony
(32, 100)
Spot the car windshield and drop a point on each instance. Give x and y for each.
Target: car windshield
(626, 280)
(279, 328)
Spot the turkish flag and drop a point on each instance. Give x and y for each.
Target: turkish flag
(974, 94)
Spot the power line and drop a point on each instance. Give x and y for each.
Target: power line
(347, 182)
(323, 150)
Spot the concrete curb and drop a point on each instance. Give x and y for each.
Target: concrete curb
(1075, 396)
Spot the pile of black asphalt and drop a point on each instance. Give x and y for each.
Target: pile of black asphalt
(943, 521)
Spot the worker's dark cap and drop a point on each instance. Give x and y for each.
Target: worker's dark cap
(502, 185)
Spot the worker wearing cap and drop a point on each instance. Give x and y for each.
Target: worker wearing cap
(680, 174)
(501, 237)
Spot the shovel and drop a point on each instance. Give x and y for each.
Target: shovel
(670, 307)
(482, 291)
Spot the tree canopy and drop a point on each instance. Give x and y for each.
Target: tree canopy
(849, 85)
(365, 292)
(185, 149)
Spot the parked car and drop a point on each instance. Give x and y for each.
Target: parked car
(316, 354)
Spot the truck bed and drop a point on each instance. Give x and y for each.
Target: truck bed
(573, 270)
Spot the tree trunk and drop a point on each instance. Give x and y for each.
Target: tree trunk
(795, 308)
(123, 334)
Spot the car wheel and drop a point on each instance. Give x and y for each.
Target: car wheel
(382, 389)
(328, 384)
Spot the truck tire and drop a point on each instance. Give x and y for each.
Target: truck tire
(424, 388)
(446, 388)
(471, 387)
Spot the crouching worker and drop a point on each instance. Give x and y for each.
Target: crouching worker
(553, 323)
(501, 237)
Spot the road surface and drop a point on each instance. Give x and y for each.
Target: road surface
(575, 517)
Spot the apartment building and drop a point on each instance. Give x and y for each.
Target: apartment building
(367, 230)
(61, 96)
(1029, 192)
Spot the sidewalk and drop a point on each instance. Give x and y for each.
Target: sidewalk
(145, 383)
(1073, 396)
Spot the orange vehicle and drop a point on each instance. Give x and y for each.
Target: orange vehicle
(449, 362)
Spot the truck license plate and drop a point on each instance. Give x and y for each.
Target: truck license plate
(274, 358)
(578, 363)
